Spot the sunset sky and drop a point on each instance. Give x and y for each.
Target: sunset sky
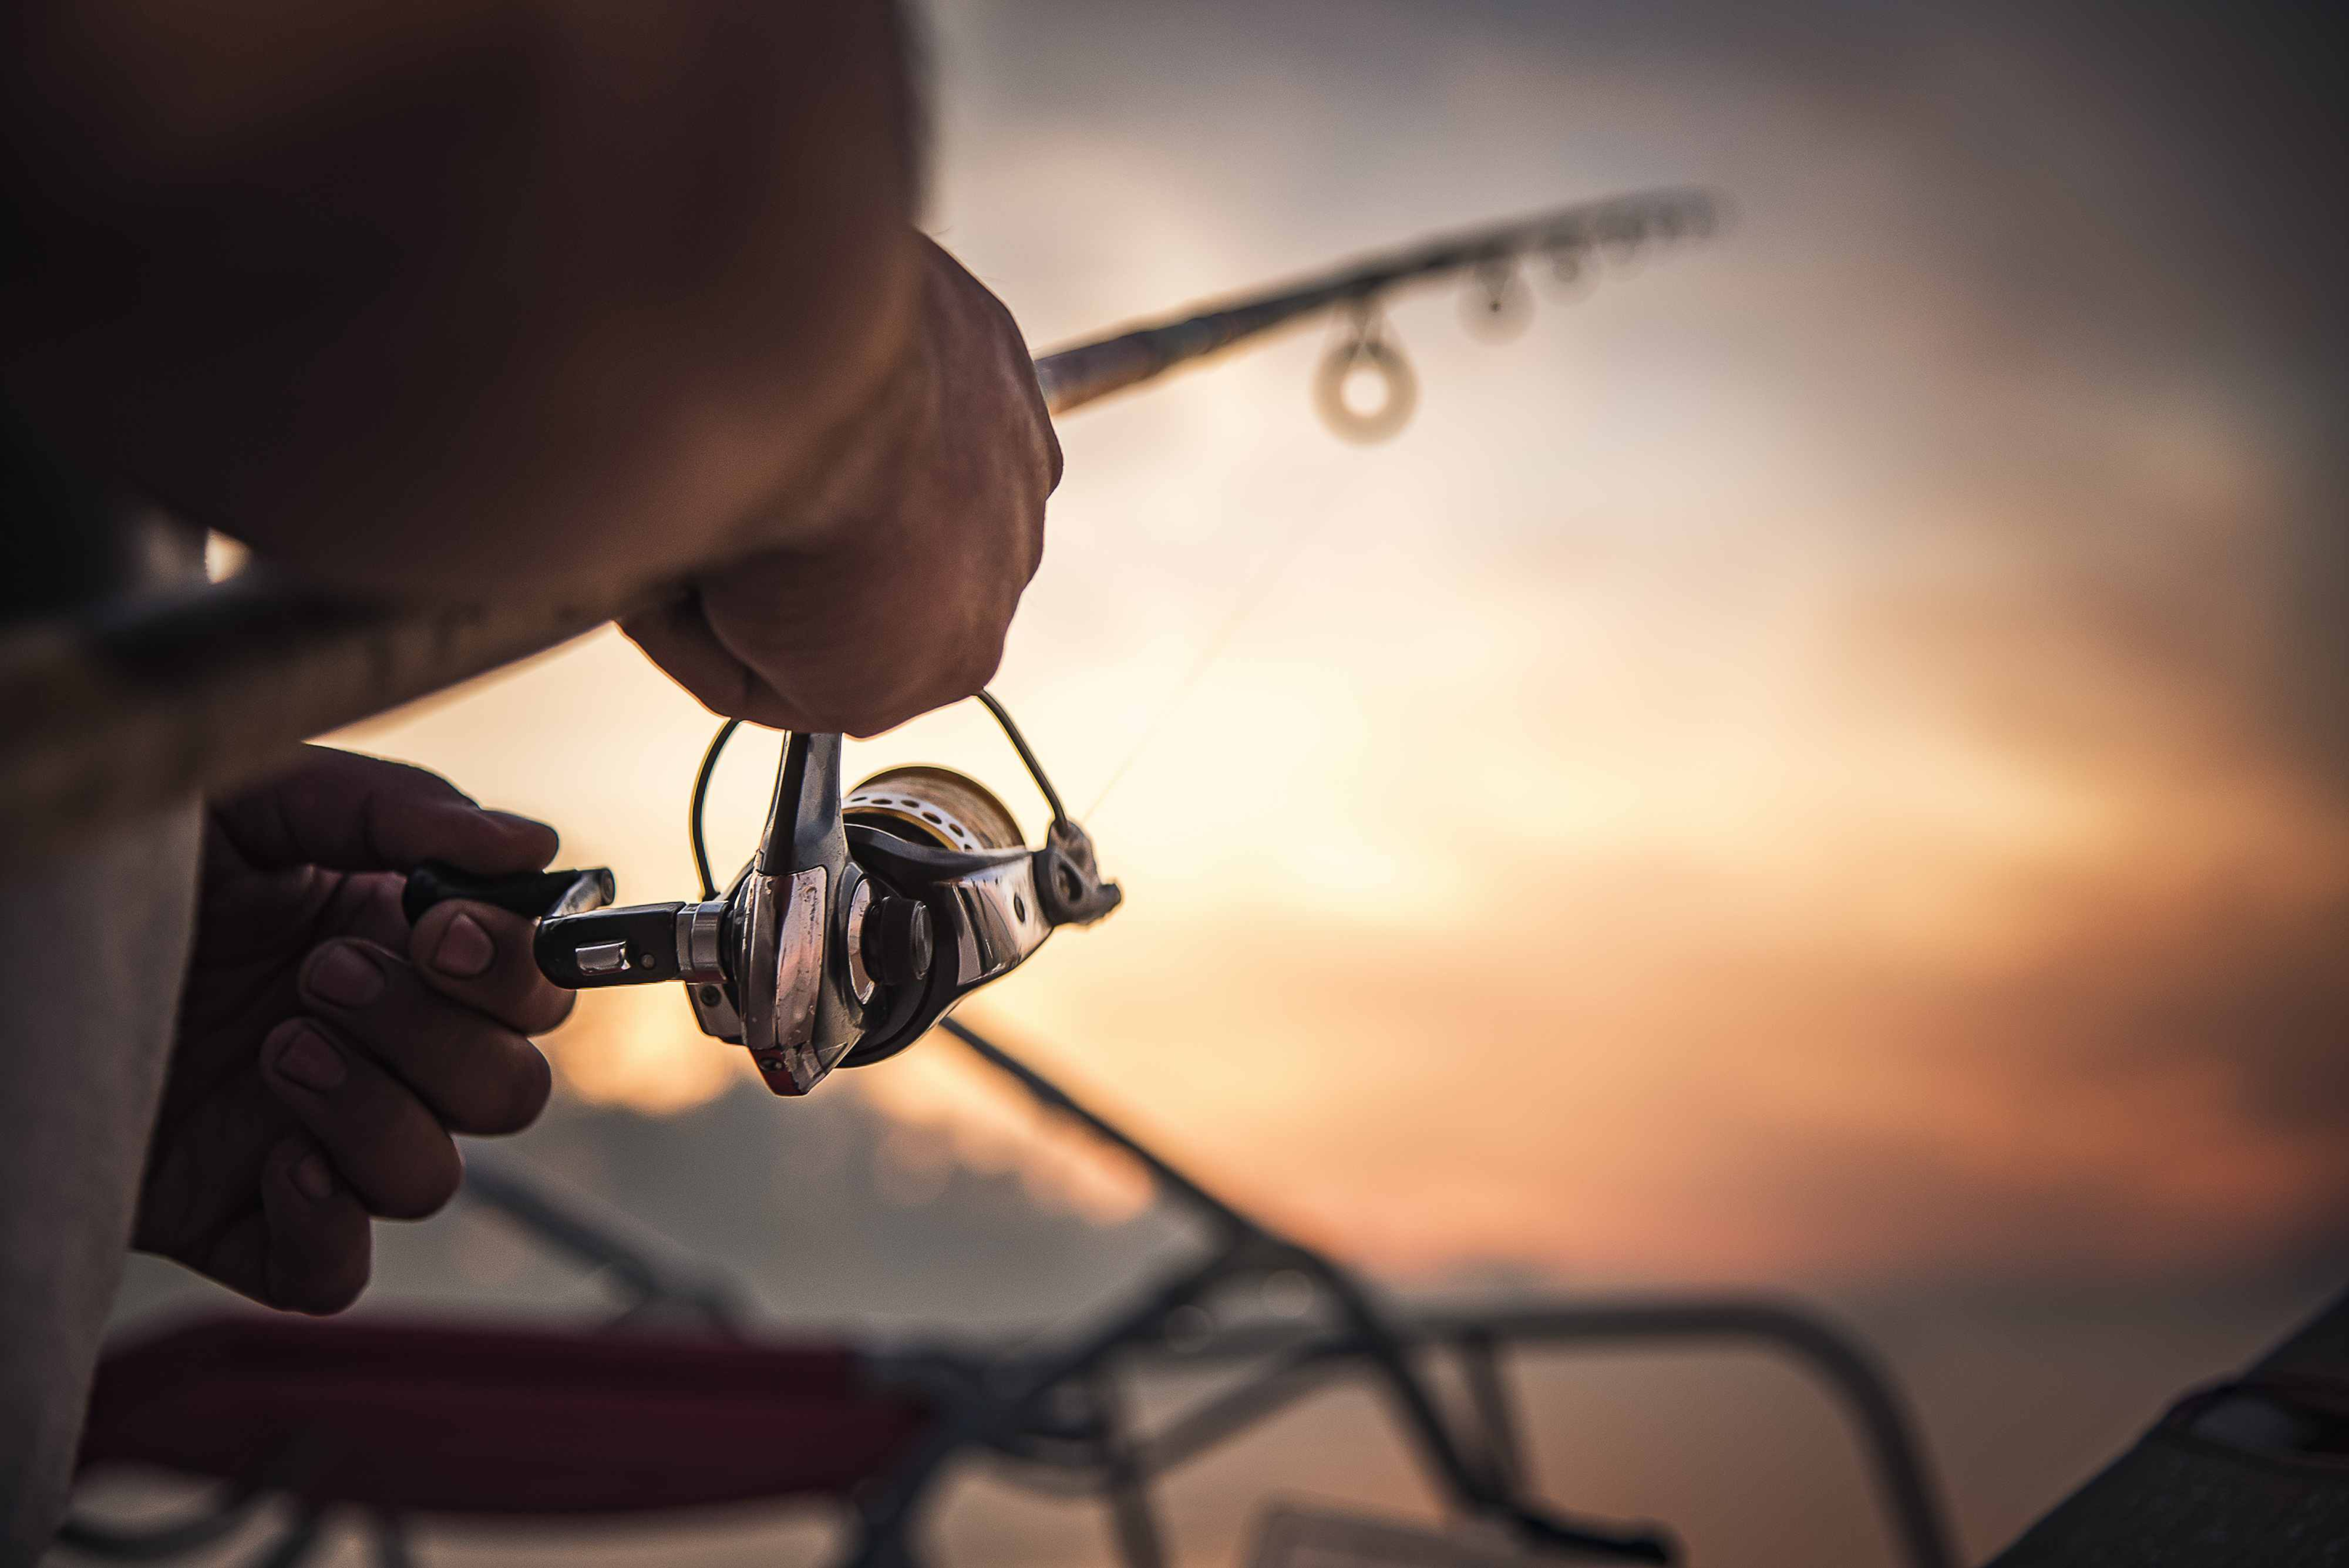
(1821, 759)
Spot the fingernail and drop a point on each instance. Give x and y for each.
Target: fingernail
(311, 1175)
(309, 1061)
(346, 977)
(516, 819)
(465, 949)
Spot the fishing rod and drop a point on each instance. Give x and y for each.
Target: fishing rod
(138, 704)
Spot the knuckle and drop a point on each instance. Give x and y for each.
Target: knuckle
(770, 711)
(828, 711)
(697, 683)
(511, 1099)
(338, 1294)
(880, 721)
(853, 710)
(982, 656)
(425, 1188)
(551, 1008)
(329, 1282)
(534, 1085)
(747, 694)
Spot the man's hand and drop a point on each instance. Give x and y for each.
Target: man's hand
(325, 1050)
(899, 602)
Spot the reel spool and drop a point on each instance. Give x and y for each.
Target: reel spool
(934, 806)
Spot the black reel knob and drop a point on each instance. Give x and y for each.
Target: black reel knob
(897, 940)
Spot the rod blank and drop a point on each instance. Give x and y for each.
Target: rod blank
(137, 705)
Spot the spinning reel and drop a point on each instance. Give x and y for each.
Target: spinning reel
(860, 920)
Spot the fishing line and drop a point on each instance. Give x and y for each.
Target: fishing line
(1252, 593)
(1360, 345)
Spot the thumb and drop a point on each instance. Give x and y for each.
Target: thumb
(353, 813)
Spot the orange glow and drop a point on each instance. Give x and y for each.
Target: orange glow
(1777, 770)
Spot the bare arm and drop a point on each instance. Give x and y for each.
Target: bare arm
(444, 296)
(489, 299)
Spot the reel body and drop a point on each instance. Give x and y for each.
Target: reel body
(860, 921)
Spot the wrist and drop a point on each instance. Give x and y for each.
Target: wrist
(861, 457)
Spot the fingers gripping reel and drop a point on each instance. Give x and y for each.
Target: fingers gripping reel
(862, 919)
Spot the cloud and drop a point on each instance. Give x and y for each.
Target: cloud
(1825, 755)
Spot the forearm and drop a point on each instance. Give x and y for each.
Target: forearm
(553, 298)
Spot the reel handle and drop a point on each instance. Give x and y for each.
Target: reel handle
(537, 894)
(581, 943)
(637, 945)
